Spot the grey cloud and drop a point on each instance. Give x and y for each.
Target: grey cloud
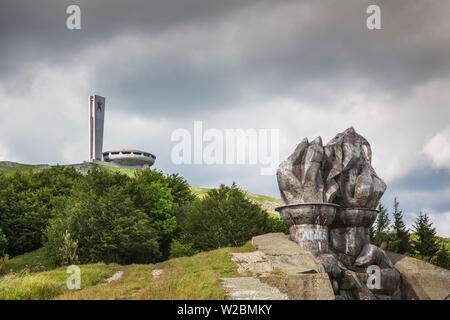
(282, 50)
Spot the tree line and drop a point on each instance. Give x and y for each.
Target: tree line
(421, 243)
(108, 217)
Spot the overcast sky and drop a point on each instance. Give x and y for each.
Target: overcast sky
(307, 68)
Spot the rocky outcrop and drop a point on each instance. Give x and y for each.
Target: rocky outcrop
(421, 280)
(251, 288)
(280, 264)
(285, 255)
(280, 269)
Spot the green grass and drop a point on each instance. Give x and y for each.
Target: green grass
(266, 202)
(49, 284)
(193, 278)
(8, 169)
(31, 262)
(127, 171)
(190, 278)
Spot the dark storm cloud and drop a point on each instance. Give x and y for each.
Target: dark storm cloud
(425, 186)
(37, 29)
(423, 179)
(283, 47)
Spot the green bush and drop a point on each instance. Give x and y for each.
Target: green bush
(178, 249)
(4, 263)
(278, 225)
(224, 217)
(26, 205)
(110, 223)
(161, 198)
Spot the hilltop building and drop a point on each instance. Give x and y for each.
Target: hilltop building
(124, 158)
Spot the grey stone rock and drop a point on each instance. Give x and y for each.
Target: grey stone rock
(302, 286)
(285, 255)
(329, 265)
(421, 279)
(253, 263)
(251, 288)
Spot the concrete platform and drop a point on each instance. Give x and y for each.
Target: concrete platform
(251, 288)
(285, 255)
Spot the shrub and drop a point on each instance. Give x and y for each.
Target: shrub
(278, 225)
(26, 205)
(107, 228)
(224, 217)
(4, 262)
(161, 198)
(68, 251)
(178, 249)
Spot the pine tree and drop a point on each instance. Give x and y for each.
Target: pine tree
(382, 226)
(400, 242)
(426, 243)
(442, 258)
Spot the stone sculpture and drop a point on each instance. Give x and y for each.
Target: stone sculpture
(330, 194)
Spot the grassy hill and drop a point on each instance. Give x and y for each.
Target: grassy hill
(193, 278)
(9, 168)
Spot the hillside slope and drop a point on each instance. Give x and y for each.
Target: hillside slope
(194, 278)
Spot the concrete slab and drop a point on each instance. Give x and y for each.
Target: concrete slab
(302, 286)
(252, 263)
(250, 288)
(285, 255)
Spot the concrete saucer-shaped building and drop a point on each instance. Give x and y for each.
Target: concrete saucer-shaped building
(129, 158)
(123, 158)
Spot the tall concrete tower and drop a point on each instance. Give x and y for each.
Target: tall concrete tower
(96, 124)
